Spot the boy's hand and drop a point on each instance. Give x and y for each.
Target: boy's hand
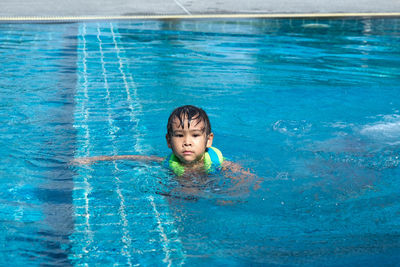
(83, 161)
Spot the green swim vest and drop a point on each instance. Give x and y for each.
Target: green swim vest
(212, 161)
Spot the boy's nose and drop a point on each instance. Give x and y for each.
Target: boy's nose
(186, 141)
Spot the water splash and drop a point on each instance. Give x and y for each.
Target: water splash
(292, 127)
(386, 130)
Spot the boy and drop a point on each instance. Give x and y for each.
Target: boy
(190, 138)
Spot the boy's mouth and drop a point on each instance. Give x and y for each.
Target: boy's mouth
(186, 152)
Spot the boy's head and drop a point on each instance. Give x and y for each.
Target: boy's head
(189, 133)
(189, 114)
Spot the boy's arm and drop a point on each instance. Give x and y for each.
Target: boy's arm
(240, 176)
(89, 160)
(236, 168)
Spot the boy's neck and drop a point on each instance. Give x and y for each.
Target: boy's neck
(195, 165)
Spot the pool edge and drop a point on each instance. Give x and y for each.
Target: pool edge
(197, 16)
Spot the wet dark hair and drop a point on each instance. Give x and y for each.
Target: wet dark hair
(192, 113)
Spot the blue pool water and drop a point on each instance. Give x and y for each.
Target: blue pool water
(310, 106)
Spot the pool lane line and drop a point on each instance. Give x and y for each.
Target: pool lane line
(161, 230)
(126, 238)
(128, 86)
(199, 16)
(85, 111)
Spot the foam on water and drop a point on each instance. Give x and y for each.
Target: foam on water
(386, 130)
(292, 128)
(316, 25)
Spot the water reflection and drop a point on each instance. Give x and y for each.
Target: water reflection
(38, 87)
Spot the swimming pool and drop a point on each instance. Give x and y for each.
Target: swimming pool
(311, 106)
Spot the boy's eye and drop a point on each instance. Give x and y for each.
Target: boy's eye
(178, 135)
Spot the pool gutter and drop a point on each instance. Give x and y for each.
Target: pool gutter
(195, 16)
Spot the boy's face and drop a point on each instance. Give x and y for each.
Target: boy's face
(189, 143)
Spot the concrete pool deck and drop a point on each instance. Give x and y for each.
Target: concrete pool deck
(126, 9)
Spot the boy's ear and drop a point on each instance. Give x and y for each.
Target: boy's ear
(168, 140)
(210, 139)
